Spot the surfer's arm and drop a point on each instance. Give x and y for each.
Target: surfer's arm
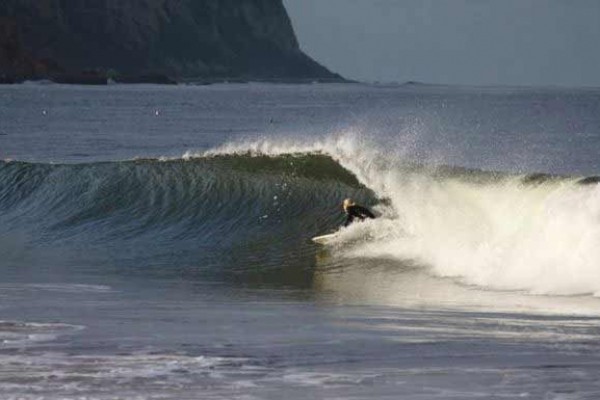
(349, 219)
(365, 212)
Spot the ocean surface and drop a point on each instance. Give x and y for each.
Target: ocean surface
(155, 242)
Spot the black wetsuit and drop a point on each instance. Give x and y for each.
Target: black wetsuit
(357, 212)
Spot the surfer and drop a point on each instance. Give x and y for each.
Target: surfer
(353, 211)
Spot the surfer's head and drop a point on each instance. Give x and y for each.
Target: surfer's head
(347, 203)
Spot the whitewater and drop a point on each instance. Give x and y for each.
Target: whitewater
(155, 242)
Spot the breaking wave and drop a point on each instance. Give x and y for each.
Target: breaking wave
(530, 232)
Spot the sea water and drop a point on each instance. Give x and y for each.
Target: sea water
(155, 242)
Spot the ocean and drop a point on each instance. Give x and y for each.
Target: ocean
(155, 242)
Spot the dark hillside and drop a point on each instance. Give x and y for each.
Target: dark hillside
(206, 39)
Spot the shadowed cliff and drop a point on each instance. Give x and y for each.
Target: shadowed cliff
(210, 39)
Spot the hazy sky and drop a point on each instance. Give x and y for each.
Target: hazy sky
(514, 42)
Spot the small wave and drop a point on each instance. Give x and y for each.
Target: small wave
(18, 334)
(58, 376)
(70, 287)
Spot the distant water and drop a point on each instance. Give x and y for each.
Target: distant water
(155, 242)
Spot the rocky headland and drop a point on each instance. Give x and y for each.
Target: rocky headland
(162, 41)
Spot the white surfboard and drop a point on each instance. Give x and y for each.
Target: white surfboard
(324, 239)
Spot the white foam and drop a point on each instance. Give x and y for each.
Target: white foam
(542, 239)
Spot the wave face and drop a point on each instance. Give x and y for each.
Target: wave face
(226, 214)
(253, 206)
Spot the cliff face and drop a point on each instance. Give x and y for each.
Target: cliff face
(181, 38)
